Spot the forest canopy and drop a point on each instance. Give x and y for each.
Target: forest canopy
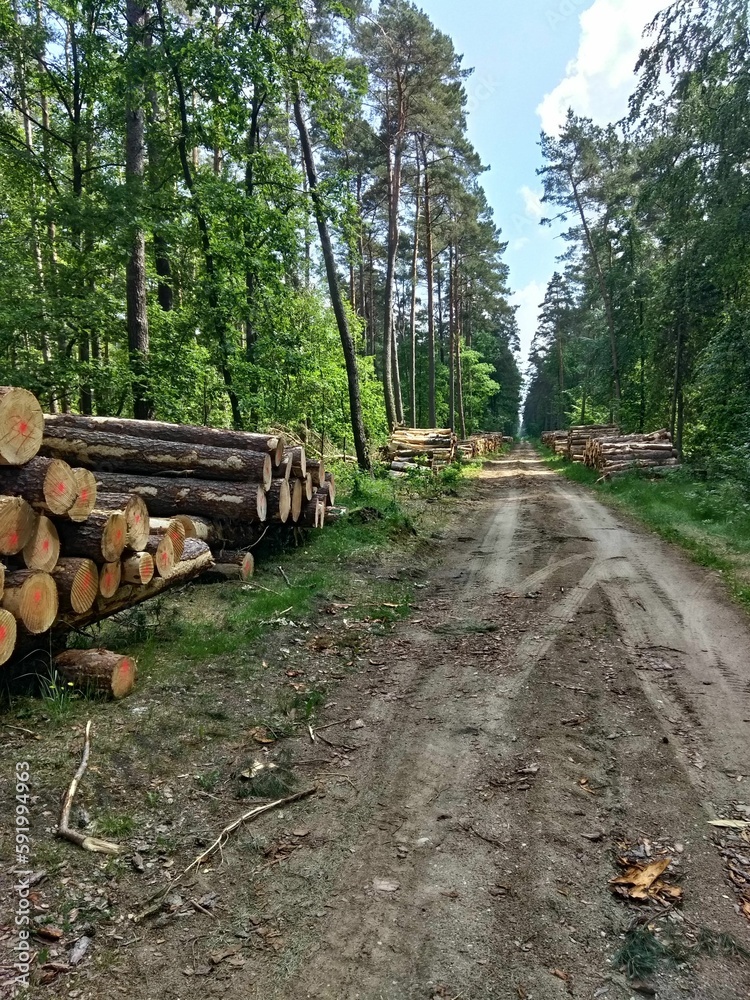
(248, 214)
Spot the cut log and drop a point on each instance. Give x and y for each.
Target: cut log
(196, 558)
(77, 583)
(331, 486)
(298, 461)
(244, 502)
(317, 470)
(21, 425)
(117, 452)
(42, 550)
(98, 670)
(110, 576)
(47, 483)
(138, 569)
(334, 514)
(243, 560)
(173, 527)
(313, 513)
(221, 573)
(133, 509)
(2, 578)
(162, 550)
(283, 469)
(298, 496)
(100, 537)
(8, 634)
(85, 500)
(309, 487)
(32, 598)
(155, 430)
(188, 524)
(17, 521)
(279, 500)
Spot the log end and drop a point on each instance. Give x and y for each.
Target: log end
(21, 426)
(85, 498)
(8, 633)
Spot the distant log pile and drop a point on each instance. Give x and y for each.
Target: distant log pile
(620, 453)
(412, 448)
(556, 441)
(580, 434)
(479, 445)
(148, 505)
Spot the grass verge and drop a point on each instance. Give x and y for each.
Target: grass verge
(710, 519)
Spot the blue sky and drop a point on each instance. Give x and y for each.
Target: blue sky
(531, 61)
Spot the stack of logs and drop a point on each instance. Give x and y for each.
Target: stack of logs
(98, 513)
(579, 435)
(619, 453)
(412, 448)
(479, 445)
(556, 441)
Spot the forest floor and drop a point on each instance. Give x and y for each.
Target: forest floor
(559, 690)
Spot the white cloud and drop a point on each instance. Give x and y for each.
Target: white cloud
(599, 80)
(532, 202)
(528, 300)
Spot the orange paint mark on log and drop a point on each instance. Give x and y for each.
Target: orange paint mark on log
(3, 633)
(45, 545)
(23, 428)
(13, 539)
(60, 487)
(118, 534)
(37, 596)
(86, 578)
(84, 494)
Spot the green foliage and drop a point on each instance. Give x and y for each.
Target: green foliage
(236, 328)
(647, 322)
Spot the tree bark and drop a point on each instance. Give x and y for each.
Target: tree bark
(244, 503)
(135, 158)
(118, 453)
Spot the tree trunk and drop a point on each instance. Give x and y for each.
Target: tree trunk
(413, 311)
(430, 272)
(115, 452)
(241, 502)
(347, 342)
(155, 430)
(451, 343)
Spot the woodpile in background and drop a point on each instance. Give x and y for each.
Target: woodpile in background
(99, 513)
(605, 448)
(622, 452)
(479, 445)
(412, 448)
(580, 434)
(556, 441)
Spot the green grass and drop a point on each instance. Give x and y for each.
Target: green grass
(710, 519)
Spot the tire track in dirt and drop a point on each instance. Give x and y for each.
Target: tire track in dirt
(511, 743)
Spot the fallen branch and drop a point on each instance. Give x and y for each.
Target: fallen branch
(93, 844)
(240, 821)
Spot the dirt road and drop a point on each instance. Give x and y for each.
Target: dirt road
(511, 741)
(566, 685)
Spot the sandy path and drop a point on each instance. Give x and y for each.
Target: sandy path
(627, 671)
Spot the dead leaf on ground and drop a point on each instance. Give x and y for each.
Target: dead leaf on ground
(731, 824)
(262, 735)
(645, 883)
(565, 976)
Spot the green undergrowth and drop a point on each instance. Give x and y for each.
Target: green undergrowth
(296, 578)
(708, 517)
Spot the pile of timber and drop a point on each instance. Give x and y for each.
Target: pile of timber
(482, 444)
(580, 434)
(622, 452)
(98, 514)
(421, 448)
(556, 441)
